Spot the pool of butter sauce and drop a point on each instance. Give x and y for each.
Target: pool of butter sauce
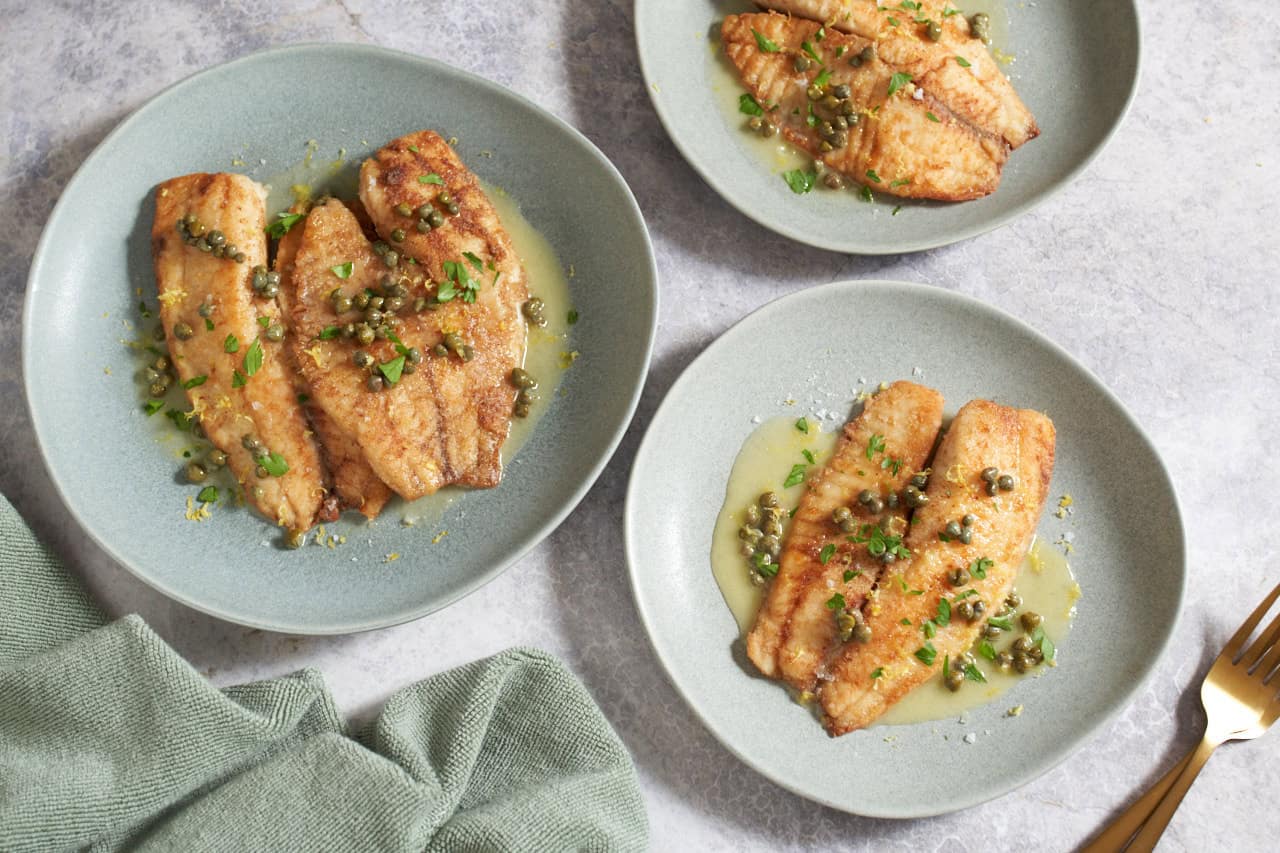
(546, 356)
(776, 154)
(1045, 581)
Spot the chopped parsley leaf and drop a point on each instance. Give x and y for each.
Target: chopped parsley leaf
(328, 333)
(431, 178)
(1004, 623)
(343, 270)
(195, 382)
(284, 221)
(237, 379)
(836, 602)
(822, 79)
(865, 194)
(392, 369)
(764, 565)
(901, 182)
(809, 457)
(875, 445)
(572, 316)
(878, 672)
(897, 81)
(828, 551)
(944, 613)
(766, 45)
(253, 359)
(275, 464)
(795, 478)
(808, 48)
(850, 574)
(979, 567)
(927, 654)
(208, 324)
(153, 406)
(931, 117)
(800, 180)
(748, 105)
(208, 495)
(964, 63)
(987, 650)
(972, 673)
(871, 173)
(803, 425)
(231, 344)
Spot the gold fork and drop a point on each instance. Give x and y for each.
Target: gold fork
(1241, 703)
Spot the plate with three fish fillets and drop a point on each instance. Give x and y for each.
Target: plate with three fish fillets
(905, 580)
(884, 127)
(345, 359)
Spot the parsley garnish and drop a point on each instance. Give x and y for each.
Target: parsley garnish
(153, 406)
(1042, 640)
(1004, 623)
(878, 542)
(944, 613)
(803, 425)
(343, 270)
(865, 194)
(766, 45)
(432, 178)
(987, 650)
(808, 48)
(572, 317)
(237, 379)
(799, 180)
(822, 79)
(875, 445)
(893, 22)
(972, 673)
(927, 654)
(795, 478)
(208, 324)
(180, 419)
(878, 672)
(978, 568)
(195, 382)
(475, 261)
(764, 565)
(964, 63)
(931, 117)
(392, 369)
(901, 182)
(809, 457)
(275, 464)
(231, 344)
(828, 551)
(208, 495)
(283, 223)
(850, 574)
(749, 105)
(458, 282)
(836, 602)
(904, 621)
(253, 359)
(144, 311)
(897, 81)
(895, 465)
(328, 333)
(929, 627)
(871, 173)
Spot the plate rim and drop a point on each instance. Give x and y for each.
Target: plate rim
(1054, 755)
(852, 246)
(522, 547)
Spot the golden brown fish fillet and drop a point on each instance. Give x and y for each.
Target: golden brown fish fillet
(867, 678)
(900, 144)
(979, 94)
(795, 628)
(355, 486)
(443, 423)
(235, 398)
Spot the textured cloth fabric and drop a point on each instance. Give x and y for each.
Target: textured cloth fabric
(109, 740)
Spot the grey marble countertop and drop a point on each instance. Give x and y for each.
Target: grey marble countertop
(1156, 269)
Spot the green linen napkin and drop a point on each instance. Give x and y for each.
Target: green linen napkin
(109, 740)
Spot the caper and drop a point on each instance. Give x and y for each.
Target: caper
(274, 333)
(216, 238)
(1022, 645)
(404, 209)
(841, 514)
(862, 633)
(826, 147)
(868, 53)
(866, 496)
(183, 331)
(966, 535)
(846, 622)
(755, 123)
(952, 530)
(151, 374)
(398, 235)
(934, 31)
(991, 631)
(205, 310)
(361, 300)
(393, 304)
(364, 334)
(979, 608)
(771, 545)
(969, 519)
(1013, 601)
(342, 304)
(349, 330)
(830, 103)
(958, 577)
(440, 350)
(436, 218)
(360, 358)
(373, 316)
(752, 514)
(801, 64)
(261, 472)
(769, 499)
(158, 389)
(391, 258)
(374, 383)
(989, 475)
(408, 368)
(980, 26)
(955, 680)
(196, 472)
(965, 610)
(1022, 662)
(746, 549)
(992, 489)
(833, 181)
(533, 311)
(891, 500)
(768, 130)
(964, 659)
(215, 458)
(413, 356)
(248, 442)
(816, 92)
(747, 533)
(380, 248)
(772, 526)
(849, 526)
(197, 228)
(1036, 654)
(876, 506)
(888, 557)
(840, 138)
(1006, 482)
(1031, 620)
(920, 481)
(842, 91)
(422, 226)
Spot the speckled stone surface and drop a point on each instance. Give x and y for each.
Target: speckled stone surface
(1155, 269)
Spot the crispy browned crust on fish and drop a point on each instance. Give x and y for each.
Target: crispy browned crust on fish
(906, 418)
(353, 480)
(983, 434)
(979, 94)
(266, 405)
(440, 425)
(901, 145)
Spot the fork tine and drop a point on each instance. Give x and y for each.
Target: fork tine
(1266, 643)
(1261, 670)
(1236, 643)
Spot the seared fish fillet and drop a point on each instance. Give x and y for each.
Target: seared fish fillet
(443, 423)
(235, 398)
(355, 486)
(900, 144)
(795, 629)
(983, 434)
(978, 94)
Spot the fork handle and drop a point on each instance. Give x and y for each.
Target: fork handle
(1151, 831)
(1114, 838)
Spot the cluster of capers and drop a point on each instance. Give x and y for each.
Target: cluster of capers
(259, 452)
(453, 343)
(836, 112)
(961, 530)
(1024, 654)
(853, 626)
(761, 535)
(997, 482)
(194, 233)
(971, 609)
(427, 216)
(375, 382)
(379, 311)
(158, 377)
(266, 283)
(980, 27)
(867, 54)
(198, 472)
(956, 673)
(523, 380)
(534, 310)
(762, 126)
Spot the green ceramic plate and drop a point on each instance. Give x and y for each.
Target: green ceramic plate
(1076, 67)
(1129, 557)
(94, 260)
